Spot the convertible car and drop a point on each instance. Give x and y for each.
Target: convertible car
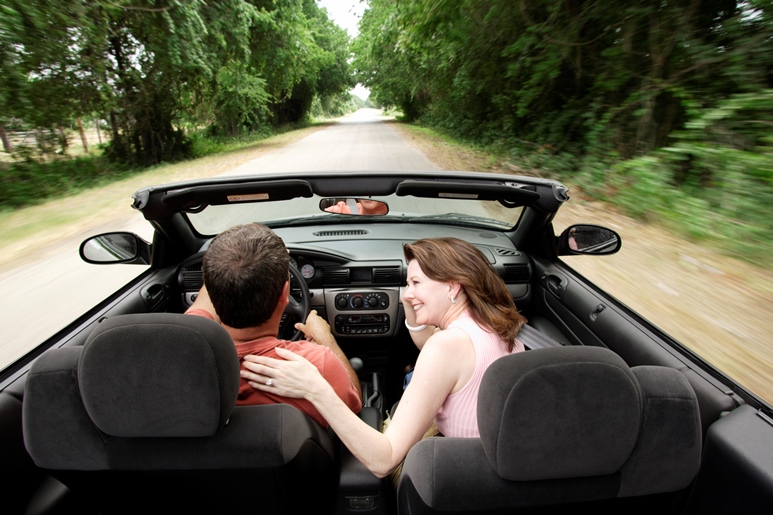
(132, 407)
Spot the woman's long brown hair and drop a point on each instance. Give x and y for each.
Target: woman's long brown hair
(455, 260)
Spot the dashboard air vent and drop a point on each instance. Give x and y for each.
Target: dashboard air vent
(507, 252)
(517, 273)
(387, 275)
(343, 232)
(192, 278)
(336, 276)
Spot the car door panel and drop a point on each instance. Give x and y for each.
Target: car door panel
(592, 318)
(738, 446)
(588, 317)
(735, 469)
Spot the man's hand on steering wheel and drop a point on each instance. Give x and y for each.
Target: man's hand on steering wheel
(316, 329)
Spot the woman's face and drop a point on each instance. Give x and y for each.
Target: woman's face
(430, 299)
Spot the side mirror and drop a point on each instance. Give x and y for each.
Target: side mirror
(354, 206)
(115, 247)
(588, 239)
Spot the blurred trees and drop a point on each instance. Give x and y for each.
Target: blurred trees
(665, 106)
(641, 102)
(153, 68)
(563, 74)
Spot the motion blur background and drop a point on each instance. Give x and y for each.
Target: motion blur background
(658, 115)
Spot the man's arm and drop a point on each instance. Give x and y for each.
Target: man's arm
(317, 330)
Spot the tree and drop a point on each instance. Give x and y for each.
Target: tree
(152, 69)
(563, 75)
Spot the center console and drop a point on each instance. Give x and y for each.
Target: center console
(367, 312)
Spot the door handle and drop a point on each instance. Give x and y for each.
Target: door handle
(153, 295)
(555, 286)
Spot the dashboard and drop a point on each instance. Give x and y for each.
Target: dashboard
(356, 275)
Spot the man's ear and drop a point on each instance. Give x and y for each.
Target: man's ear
(286, 292)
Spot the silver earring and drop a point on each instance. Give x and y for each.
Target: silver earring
(453, 299)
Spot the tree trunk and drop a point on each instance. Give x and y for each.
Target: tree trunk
(84, 139)
(99, 133)
(6, 140)
(63, 140)
(114, 125)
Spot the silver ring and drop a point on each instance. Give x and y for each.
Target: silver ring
(269, 382)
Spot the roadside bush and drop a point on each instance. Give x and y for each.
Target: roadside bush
(205, 144)
(713, 183)
(28, 182)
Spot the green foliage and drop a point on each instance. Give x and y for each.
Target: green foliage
(203, 143)
(715, 182)
(241, 101)
(28, 182)
(572, 76)
(385, 61)
(332, 106)
(153, 70)
(660, 107)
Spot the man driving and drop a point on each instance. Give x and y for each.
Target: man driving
(246, 289)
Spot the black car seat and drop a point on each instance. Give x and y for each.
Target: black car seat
(142, 418)
(563, 428)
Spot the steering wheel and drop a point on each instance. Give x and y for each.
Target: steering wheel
(296, 309)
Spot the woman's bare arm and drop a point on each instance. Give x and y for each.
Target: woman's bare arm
(435, 376)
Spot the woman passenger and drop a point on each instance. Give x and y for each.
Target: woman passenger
(461, 317)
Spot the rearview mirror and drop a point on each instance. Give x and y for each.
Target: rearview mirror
(115, 247)
(588, 239)
(354, 206)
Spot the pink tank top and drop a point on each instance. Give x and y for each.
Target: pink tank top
(458, 416)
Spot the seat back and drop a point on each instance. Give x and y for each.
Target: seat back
(561, 427)
(142, 417)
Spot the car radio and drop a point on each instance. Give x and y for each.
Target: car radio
(377, 323)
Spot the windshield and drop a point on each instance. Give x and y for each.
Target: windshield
(489, 215)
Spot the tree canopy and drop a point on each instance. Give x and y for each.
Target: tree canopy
(154, 67)
(658, 100)
(662, 107)
(567, 75)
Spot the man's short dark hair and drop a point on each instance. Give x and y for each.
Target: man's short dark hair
(245, 269)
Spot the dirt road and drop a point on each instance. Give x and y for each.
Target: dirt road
(719, 307)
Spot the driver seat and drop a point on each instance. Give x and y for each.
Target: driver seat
(142, 418)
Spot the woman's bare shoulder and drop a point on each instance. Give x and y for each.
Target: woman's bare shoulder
(447, 341)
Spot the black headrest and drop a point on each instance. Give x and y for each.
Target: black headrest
(559, 413)
(158, 375)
